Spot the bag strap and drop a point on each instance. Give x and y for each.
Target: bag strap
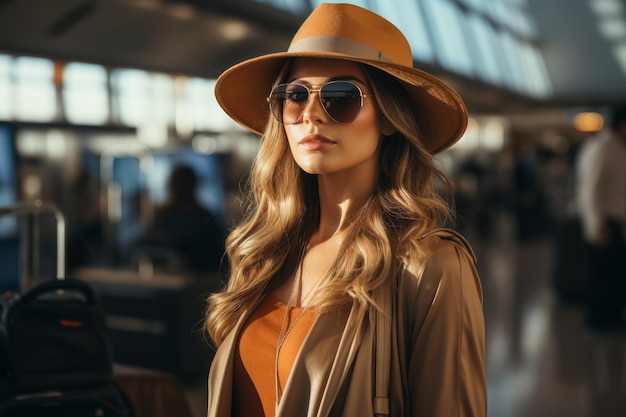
(382, 297)
(383, 315)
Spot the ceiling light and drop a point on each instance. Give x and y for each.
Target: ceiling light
(234, 30)
(588, 122)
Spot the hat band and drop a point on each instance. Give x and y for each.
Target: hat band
(339, 45)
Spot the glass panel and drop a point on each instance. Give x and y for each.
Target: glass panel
(516, 19)
(492, 10)
(488, 61)
(35, 98)
(131, 94)
(6, 87)
(514, 75)
(525, 25)
(208, 168)
(502, 13)
(478, 5)
(162, 97)
(449, 38)
(409, 19)
(539, 84)
(85, 93)
(142, 97)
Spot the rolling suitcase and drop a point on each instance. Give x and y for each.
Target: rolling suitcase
(53, 336)
(55, 355)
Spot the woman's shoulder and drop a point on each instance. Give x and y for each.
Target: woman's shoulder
(439, 239)
(445, 278)
(448, 254)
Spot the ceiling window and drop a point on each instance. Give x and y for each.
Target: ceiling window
(512, 54)
(538, 81)
(481, 6)
(495, 41)
(611, 19)
(489, 56)
(410, 20)
(449, 37)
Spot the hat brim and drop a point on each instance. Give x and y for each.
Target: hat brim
(243, 88)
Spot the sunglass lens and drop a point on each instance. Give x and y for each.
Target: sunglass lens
(342, 100)
(288, 101)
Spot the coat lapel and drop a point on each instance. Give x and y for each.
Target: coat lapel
(323, 363)
(320, 369)
(220, 384)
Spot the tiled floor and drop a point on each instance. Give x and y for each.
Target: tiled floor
(541, 361)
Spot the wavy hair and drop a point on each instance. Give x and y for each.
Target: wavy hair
(283, 212)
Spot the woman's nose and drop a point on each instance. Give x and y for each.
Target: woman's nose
(314, 111)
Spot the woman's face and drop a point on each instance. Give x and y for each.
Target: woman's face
(321, 145)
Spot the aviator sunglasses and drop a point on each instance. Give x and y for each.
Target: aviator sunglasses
(342, 101)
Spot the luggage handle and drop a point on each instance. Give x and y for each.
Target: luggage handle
(39, 207)
(66, 284)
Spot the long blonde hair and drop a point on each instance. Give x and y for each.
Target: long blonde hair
(283, 212)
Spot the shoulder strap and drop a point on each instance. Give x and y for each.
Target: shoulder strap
(383, 319)
(382, 297)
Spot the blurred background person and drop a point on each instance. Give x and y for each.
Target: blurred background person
(601, 197)
(85, 238)
(183, 234)
(531, 211)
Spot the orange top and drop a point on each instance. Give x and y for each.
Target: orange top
(254, 388)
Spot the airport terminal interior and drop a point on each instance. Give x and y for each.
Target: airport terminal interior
(103, 101)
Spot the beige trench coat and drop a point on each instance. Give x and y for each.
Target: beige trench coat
(438, 349)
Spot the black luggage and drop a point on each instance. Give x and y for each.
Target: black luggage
(53, 336)
(55, 355)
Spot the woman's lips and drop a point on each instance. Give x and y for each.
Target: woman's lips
(315, 142)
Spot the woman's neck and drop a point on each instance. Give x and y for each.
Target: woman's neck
(341, 196)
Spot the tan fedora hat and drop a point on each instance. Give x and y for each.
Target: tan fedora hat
(346, 32)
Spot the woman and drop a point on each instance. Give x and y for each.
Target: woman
(344, 211)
